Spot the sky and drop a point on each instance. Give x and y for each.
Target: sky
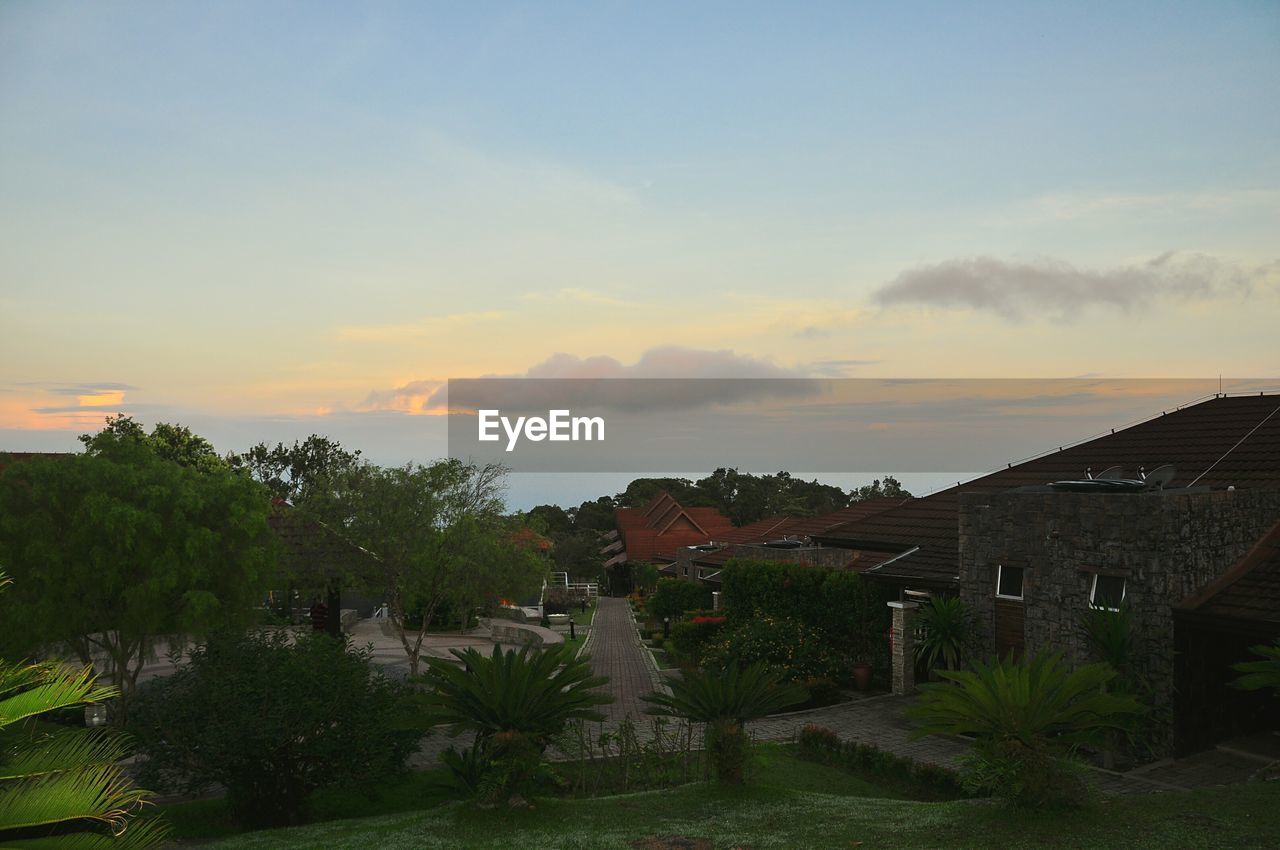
(268, 220)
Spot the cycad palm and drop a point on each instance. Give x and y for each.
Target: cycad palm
(514, 702)
(724, 701)
(527, 691)
(1263, 673)
(1039, 701)
(64, 789)
(1025, 716)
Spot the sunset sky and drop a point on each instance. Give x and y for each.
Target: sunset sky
(269, 219)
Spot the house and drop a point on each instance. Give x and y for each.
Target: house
(782, 538)
(1032, 547)
(655, 532)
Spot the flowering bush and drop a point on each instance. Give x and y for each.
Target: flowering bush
(673, 597)
(790, 646)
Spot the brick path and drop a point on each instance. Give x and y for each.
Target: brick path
(615, 650)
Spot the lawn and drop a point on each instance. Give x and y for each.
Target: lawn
(792, 803)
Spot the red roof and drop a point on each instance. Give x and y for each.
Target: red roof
(657, 530)
(1225, 441)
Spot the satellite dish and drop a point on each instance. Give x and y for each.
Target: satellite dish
(1161, 476)
(1111, 473)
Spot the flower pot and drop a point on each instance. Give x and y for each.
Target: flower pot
(862, 675)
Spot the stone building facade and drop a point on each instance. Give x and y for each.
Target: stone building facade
(1164, 546)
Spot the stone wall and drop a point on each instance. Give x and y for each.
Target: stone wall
(1167, 546)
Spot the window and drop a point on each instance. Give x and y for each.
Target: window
(1008, 582)
(1106, 592)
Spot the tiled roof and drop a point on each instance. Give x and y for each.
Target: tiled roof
(663, 526)
(1250, 590)
(1225, 441)
(798, 528)
(313, 550)
(9, 458)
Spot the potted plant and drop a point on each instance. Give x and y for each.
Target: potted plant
(945, 632)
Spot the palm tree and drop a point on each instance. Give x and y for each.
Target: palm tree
(1024, 715)
(62, 789)
(724, 701)
(514, 703)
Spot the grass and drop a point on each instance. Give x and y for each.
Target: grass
(790, 803)
(583, 618)
(767, 816)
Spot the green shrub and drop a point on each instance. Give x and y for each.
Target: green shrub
(824, 745)
(271, 722)
(688, 637)
(674, 596)
(947, 631)
(795, 650)
(513, 702)
(1026, 716)
(724, 702)
(818, 739)
(844, 608)
(1263, 673)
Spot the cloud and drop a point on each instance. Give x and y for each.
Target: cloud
(668, 361)
(811, 332)
(412, 397)
(1017, 290)
(722, 377)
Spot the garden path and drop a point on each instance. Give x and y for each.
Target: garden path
(615, 650)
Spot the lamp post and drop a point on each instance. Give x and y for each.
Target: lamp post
(666, 627)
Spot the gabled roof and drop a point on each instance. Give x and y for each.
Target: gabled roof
(799, 528)
(1249, 591)
(660, 528)
(1224, 441)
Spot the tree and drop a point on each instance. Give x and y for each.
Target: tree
(724, 700)
(890, 488)
(578, 555)
(117, 547)
(172, 442)
(63, 788)
(554, 520)
(293, 472)
(436, 531)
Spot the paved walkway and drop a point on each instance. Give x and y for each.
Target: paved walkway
(615, 650)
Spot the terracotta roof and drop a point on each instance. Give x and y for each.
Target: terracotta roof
(663, 526)
(9, 458)
(1224, 441)
(1250, 590)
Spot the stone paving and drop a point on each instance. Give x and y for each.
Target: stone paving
(615, 650)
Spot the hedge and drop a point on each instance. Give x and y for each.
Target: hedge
(849, 611)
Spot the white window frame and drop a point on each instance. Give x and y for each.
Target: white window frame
(1093, 592)
(1000, 575)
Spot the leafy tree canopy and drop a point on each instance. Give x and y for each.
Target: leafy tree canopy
(172, 442)
(293, 472)
(117, 546)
